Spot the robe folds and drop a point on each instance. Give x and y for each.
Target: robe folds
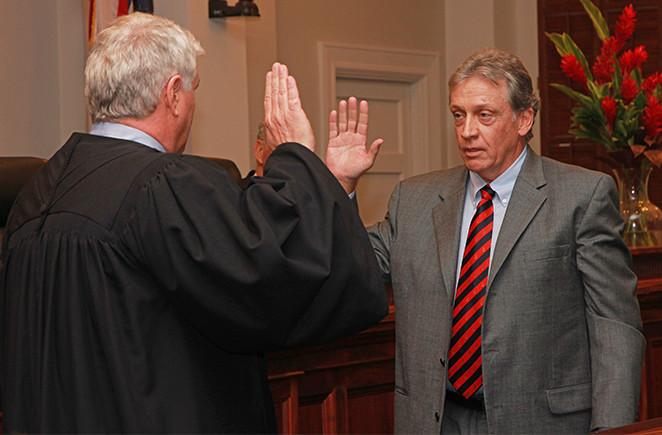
(140, 288)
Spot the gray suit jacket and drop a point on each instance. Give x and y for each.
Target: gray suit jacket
(561, 341)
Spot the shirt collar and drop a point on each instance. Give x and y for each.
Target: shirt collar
(121, 131)
(503, 185)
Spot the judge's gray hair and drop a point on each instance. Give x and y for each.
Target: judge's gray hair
(131, 60)
(497, 65)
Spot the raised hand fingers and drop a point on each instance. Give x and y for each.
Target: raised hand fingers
(342, 116)
(349, 119)
(281, 92)
(374, 149)
(293, 100)
(271, 87)
(333, 124)
(363, 118)
(267, 94)
(282, 88)
(351, 123)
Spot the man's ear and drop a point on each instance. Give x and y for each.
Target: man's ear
(258, 150)
(172, 95)
(525, 121)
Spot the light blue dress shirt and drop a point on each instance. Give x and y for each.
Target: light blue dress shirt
(121, 131)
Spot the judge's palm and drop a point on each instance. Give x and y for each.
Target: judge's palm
(346, 155)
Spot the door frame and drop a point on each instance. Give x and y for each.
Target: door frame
(420, 69)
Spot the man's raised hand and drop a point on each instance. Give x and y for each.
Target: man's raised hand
(283, 115)
(346, 155)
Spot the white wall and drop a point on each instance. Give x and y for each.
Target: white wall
(41, 94)
(42, 50)
(411, 24)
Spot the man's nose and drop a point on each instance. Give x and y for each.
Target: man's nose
(470, 127)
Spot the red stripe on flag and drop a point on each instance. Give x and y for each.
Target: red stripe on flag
(122, 7)
(92, 22)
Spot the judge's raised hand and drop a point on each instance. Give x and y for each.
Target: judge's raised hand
(284, 117)
(346, 155)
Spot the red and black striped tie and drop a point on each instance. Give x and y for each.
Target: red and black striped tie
(464, 370)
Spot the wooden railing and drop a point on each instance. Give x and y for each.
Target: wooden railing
(347, 386)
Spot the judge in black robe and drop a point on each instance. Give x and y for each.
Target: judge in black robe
(140, 287)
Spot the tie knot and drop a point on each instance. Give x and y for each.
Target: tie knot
(487, 192)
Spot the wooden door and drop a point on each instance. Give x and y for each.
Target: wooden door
(389, 106)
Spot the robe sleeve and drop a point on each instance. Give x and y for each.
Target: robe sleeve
(284, 263)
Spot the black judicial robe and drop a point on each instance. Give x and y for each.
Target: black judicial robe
(140, 288)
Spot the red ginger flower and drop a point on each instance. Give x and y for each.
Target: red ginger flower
(625, 24)
(652, 118)
(604, 67)
(651, 83)
(573, 68)
(611, 46)
(610, 110)
(633, 120)
(632, 59)
(628, 89)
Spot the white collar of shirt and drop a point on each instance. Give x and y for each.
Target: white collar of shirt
(121, 131)
(502, 185)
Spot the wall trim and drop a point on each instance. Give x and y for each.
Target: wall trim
(420, 69)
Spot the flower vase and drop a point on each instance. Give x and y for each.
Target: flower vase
(643, 219)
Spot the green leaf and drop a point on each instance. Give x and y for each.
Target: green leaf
(598, 20)
(583, 134)
(577, 96)
(598, 91)
(616, 77)
(640, 101)
(559, 43)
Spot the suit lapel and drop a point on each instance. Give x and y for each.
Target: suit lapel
(447, 218)
(525, 201)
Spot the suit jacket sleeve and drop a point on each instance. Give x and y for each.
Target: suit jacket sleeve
(382, 235)
(284, 263)
(612, 310)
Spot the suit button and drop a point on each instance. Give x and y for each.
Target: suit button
(436, 416)
(443, 363)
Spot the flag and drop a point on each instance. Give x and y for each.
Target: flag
(102, 12)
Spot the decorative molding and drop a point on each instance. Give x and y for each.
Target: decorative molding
(420, 69)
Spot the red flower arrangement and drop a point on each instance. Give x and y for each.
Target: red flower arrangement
(619, 109)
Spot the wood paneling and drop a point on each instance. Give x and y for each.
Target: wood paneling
(650, 299)
(342, 387)
(647, 264)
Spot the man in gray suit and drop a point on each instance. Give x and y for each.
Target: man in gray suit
(544, 335)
